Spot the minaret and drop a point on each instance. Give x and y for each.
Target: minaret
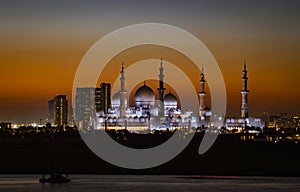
(244, 92)
(202, 95)
(122, 93)
(161, 89)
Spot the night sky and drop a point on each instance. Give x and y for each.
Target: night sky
(43, 42)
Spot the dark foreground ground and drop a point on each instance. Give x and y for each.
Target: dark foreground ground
(67, 153)
(149, 183)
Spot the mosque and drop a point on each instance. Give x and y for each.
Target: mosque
(165, 113)
(147, 110)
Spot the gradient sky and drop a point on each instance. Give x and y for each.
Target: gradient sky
(43, 42)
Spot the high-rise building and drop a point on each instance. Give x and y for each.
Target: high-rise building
(98, 97)
(60, 110)
(85, 107)
(89, 101)
(51, 110)
(102, 98)
(244, 92)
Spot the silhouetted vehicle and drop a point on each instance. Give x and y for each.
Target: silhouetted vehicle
(55, 178)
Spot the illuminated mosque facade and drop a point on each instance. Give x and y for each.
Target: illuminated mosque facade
(146, 109)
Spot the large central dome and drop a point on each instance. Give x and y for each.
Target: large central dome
(170, 101)
(144, 97)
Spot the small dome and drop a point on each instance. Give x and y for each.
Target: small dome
(144, 97)
(170, 101)
(115, 100)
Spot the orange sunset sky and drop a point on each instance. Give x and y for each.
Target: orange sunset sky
(42, 44)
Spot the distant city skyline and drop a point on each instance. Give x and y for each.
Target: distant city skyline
(42, 43)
